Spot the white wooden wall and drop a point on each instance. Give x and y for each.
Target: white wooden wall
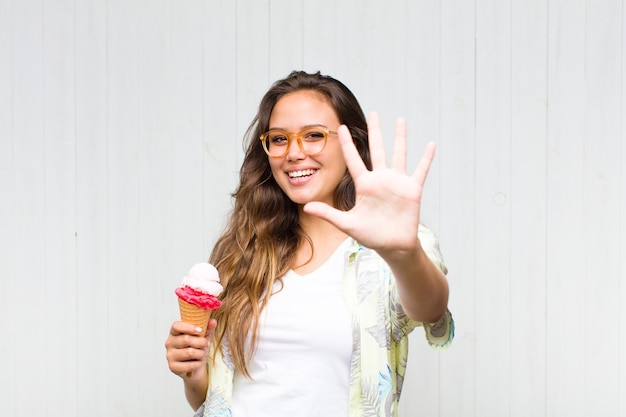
(120, 140)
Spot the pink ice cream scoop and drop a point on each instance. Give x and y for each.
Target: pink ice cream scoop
(197, 295)
(201, 287)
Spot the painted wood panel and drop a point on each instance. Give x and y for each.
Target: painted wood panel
(422, 109)
(457, 214)
(621, 221)
(8, 268)
(59, 204)
(565, 248)
(223, 150)
(493, 218)
(92, 210)
(601, 191)
(120, 142)
(528, 207)
(29, 191)
(123, 165)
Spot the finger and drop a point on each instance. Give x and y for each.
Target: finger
(354, 162)
(377, 146)
(421, 172)
(181, 327)
(338, 218)
(398, 162)
(180, 359)
(210, 328)
(185, 341)
(187, 361)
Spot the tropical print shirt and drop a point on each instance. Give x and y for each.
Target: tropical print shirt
(380, 332)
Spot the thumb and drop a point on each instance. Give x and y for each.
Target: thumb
(324, 211)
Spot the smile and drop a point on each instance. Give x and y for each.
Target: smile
(302, 173)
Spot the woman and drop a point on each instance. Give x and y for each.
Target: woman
(325, 265)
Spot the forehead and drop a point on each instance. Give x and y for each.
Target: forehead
(301, 108)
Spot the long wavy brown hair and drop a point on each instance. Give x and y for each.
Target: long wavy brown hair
(258, 244)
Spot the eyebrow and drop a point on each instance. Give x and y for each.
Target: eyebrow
(302, 128)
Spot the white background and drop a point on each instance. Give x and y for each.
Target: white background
(120, 140)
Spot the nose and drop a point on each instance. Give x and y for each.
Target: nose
(294, 151)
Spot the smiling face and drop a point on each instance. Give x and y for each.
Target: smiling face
(306, 178)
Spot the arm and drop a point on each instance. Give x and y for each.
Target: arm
(422, 286)
(187, 354)
(195, 389)
(386, 218)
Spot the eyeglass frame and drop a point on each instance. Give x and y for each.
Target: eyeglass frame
(264, 137)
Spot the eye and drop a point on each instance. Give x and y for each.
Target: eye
(313, 135)
(278, 139)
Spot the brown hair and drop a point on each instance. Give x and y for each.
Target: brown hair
(258, 244)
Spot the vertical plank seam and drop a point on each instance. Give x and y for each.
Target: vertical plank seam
(474, 203)
(546, 212)
(75, 129)
(510, 205)
(620, 304)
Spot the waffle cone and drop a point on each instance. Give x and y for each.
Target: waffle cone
(195, 315)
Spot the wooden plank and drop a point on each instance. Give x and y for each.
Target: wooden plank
(319, 36)
(285, 22)
(60, 209)
(422, 96)
(223, 147)
(457, 230)
(352, 51)
(493, 207)
(123, 190)
(92, 238)
(529, 44)
(164, 133)
(8, 234)
(29, 196)
(386, 51)
(371, 57)
(188, 144)
(622, 236)
(565, 290)
(601, 190)
(253, 66)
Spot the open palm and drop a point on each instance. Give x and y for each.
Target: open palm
(386, 213)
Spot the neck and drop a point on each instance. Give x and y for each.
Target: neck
(325, 238)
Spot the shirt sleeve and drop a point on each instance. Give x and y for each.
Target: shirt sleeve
(199, 411)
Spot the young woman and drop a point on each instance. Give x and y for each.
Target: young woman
(325, 266)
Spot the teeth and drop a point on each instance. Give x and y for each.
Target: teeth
(303, 173)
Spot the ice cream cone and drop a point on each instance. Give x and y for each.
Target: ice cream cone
(195, 315)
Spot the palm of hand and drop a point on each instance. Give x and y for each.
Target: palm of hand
(387, 206)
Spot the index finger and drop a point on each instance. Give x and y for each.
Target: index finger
(355, 164)
(181, 327)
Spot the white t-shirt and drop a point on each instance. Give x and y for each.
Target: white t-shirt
(302, 363)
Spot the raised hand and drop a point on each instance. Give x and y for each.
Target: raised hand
(386, 213)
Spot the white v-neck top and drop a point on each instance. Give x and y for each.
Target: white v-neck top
(302, 364)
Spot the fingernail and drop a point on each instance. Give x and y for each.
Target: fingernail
(198, 329)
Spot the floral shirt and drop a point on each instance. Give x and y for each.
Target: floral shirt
(380, 332)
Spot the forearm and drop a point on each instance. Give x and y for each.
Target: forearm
(196, 390)
(422, 286)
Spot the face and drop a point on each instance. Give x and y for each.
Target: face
(302, 177)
